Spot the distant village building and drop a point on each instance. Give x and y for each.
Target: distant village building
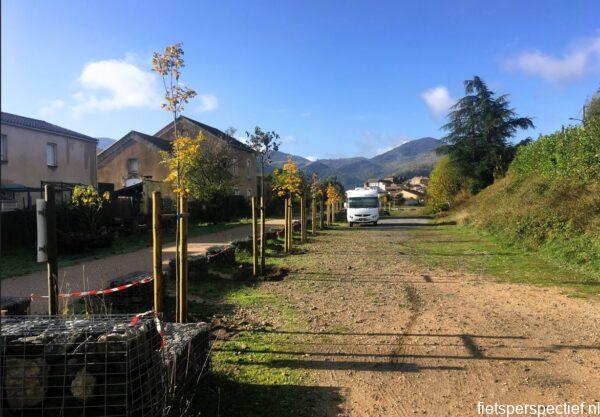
(34, 153)
(136, 157)
(412, 197)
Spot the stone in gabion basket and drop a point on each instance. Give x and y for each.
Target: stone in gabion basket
(80, 366)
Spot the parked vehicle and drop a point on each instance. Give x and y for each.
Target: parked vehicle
(362, 206)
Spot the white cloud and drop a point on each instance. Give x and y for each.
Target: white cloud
(311, 158)
(208, 102)
(438, 100)
(51, 108)
(579, 60)
(306, 114)
(113, 85)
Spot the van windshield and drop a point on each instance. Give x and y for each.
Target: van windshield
(362, 202)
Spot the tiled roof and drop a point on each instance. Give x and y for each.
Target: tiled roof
(35, 124)
(213, 131)
(163, 144)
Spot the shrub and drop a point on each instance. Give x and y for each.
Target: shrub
(572, 154)
(444, 185)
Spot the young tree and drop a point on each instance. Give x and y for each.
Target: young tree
(479, 128)
(264, 144)
(88, 204)
(168, 65)
(445, 183)
(288, 181)
(199, 167)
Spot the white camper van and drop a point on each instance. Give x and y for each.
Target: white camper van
(362, 206)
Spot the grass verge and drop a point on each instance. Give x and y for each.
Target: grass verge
(470, 250)
(248, 373)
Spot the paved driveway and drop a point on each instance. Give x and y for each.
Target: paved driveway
(94, 274)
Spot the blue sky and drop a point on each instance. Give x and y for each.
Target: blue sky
(333, 78)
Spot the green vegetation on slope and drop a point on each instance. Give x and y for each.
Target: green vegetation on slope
(550, 199)
(467, 249)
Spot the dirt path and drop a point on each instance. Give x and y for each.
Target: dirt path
(397, 339)
(96, 273)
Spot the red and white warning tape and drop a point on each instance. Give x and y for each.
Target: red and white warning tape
(75, 294)
(143, 280)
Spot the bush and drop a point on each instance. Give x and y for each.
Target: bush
(444, 186)
(572, 154)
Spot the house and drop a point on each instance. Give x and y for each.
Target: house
(418, 181)
(34, 153)
(412, 197)
(136, 157)
(377, 183)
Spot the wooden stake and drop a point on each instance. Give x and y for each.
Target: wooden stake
(302, 220)
(254, 248)
(291, 228)
(157, 252)
(321, 214)
(285, 225)
(183, 262)
(263, 237)
(313, 216)
(51, 249)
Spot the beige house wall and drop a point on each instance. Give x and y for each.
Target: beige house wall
(115, 170)
(244, 177)
(26, 158)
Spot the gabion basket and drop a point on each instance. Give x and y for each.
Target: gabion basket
(81, 366)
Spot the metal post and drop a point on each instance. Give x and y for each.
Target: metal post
(157, 251)
(183, 264)
(51, 249)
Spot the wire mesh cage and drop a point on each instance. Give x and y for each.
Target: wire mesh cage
(81, 366)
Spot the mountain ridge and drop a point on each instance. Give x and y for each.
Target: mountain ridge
(415, 157)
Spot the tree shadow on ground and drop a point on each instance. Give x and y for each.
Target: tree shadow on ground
(217, 395)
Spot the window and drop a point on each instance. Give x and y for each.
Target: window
(248, 168)
(51, 155)
(236, 191)
(248, 193)
(3, 156)
(363, 202)
(132, 166)
(234, 166)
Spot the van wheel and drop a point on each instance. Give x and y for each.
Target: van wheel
(351, 224)
(374, 223)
